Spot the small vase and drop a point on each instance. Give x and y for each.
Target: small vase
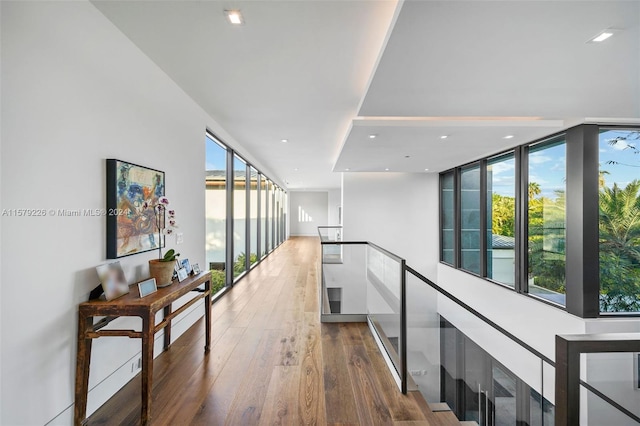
(161, 271)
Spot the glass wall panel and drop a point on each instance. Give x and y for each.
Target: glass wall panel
(470, 219)
(239, 215)
(619, 221)
(547, 220)
(264, 214)
(501, 219)
(447, 204)
(215, 211)
(272, 211)
(253, 217)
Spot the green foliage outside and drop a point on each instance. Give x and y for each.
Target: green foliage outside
(218, 277)
(619, 241)
(239, 265)
(217, 281)
(620, 248)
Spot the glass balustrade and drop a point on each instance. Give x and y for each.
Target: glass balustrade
(459, 359)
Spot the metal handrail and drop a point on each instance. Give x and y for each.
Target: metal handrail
(574, 340)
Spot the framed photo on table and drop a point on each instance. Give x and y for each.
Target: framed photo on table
(147, 287)
(114, 283)
(186, 265)
(196, 269)
(182, 274)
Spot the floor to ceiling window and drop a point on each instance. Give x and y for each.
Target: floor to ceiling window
(264, 212)
(253, 217)
(272, 209)
(239, 216)
(216, 210)
(619, 227)
(501, 219)
(547, 220)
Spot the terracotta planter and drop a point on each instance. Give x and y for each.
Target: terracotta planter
(161, 271)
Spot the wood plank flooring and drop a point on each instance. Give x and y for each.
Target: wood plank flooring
(273, 363)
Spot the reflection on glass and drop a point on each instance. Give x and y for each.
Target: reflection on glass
(448, 218)
(501, 219)
(504, 397)
(253, 217)
(547, 221)
(470, 219)
(239, 216)
(215, 211)
(619, 221)
(264, 213)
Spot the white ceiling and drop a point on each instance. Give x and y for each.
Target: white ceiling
(473, 70)
(295, 70)
(480, 70)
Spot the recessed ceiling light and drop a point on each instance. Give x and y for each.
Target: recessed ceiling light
(347, 169)
(508, 137)
(295, 170)
(284, 140)
(426, 170)
(234, 17)
(603, 35)
(386, 170)
(373, 136)
(444, 136)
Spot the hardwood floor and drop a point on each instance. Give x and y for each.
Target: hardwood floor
(273, 363)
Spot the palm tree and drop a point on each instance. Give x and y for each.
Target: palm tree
(620, 220)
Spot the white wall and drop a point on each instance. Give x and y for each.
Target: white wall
(75, 92)
(335, 202)
(307, 211)
(397, 211)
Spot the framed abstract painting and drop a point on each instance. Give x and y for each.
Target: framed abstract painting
(132, 191)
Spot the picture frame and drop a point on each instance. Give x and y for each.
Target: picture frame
(196, 269)
(147, 287)
(114, 283)
(132, 228)
(184, 263)
(182, 274)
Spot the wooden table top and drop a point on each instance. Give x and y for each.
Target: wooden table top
(154, 301)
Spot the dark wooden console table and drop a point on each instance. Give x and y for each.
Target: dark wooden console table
(146, 308)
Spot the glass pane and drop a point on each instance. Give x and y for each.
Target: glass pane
(215, 211)
(239, 216)
(541, 411)
(272, 218)
(253, 224)
(448, 218)
(470, 219)
(503, 391)
(501, 219)
(263, 215)
(383, 301)
(547, 222)
(619, 221)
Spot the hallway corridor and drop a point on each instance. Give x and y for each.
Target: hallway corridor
(272, 362)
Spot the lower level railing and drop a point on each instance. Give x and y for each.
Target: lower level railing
(435, 343)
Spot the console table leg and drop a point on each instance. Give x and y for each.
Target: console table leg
(83, 358)
(167, 329)
(207, 315)
(148, 323)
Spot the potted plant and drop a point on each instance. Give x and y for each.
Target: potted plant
(162, 268)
